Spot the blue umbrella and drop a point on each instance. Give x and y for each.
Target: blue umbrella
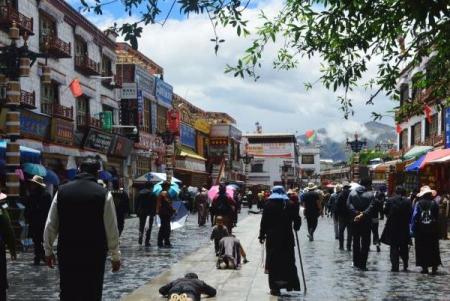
(174, 190)
(51, 177)
(35, 169)
(105, 175)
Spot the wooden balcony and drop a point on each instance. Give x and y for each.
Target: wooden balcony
(55, 47)
(434, 140)
(85, 65)
(28, 99)
(85, 121)
(57, 110)
(9, 14)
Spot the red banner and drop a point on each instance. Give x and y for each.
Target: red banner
(173, 118)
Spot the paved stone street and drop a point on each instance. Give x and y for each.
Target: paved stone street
(328, 270)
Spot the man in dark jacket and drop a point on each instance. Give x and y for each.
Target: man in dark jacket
(146, 207)
(398, 210)
(82, 214)
(37, 210)
(360, 203)
(279, 217)
(190, 285)
(122, 203)
(312, 202)
(343, 215)
(6, 240)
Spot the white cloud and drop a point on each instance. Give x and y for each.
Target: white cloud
(278, 100)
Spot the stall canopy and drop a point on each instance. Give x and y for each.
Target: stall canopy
(154, 177)
(415, 165)
(434, 156)
(384, 167)
(186, 152)
(417, 151)
(27, 154)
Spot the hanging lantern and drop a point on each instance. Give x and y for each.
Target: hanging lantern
(46, 75)
(13, 93)
(13, 154)
(14, 33)
(12, 184)
(24, 67)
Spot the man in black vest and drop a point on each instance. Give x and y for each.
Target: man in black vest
(146, 206)
(84, 217)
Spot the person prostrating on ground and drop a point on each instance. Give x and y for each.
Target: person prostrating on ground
(188, 288)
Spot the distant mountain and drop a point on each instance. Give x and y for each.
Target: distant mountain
(336, 149)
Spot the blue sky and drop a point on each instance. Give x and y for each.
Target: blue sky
(278, 100)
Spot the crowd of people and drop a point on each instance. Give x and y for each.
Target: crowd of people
(88, 219)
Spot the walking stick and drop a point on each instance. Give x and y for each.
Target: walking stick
(301, 262)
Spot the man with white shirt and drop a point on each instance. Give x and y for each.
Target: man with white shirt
(82, 214)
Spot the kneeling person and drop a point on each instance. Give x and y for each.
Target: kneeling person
(230, 253)
(188, 288)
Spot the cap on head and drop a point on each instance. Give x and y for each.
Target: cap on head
(191, 276)
(90, 165)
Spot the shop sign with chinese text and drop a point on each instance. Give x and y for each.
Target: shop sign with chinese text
(62, 131)
(34, 126)
(187, 135)
(98, 140)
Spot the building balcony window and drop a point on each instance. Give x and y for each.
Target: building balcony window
(57, 110)
(87, 66)
(9, 14)
(55, 47)
(116, 82)
(85, 121)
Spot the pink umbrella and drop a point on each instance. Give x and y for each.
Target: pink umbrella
(214, 192)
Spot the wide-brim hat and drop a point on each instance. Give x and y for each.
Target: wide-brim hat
(425, 190)
(2, 196)
(101, 183)
(38, 180)
(278, 193)
(311, 186)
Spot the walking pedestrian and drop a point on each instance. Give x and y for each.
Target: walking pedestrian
(38, 207)
(312, 202)
(344, 218)
(377, 214)
(165, 212)
(146, 207)
(82, 214)
(201, 201)
(360, 203)
(6, 240)
(189, 288)
(278, 219)
(122, 204)
(425, 229)
(186, 198)
(332, 202)
(398, 211)
(219, 231)
(223, 205)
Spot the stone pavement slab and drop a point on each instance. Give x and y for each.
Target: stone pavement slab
(248, 283)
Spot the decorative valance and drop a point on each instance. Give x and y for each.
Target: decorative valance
(51, 11)
(84, 34)
(109, 53)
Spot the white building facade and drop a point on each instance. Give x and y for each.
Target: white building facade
(309, 160)
(275, 159)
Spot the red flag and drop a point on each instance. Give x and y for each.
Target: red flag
(427, 111)
(75, 88)
(398, 129)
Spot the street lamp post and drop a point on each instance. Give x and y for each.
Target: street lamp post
(247, 160)
(168, 138)
(356, 146)
(15, 63)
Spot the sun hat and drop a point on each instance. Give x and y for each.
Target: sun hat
(311, 186)
(425, 190)
(38, 180)
(338, 187)
(278, 193)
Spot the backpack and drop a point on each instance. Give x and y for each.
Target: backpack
(426, 220)
(222, 207)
